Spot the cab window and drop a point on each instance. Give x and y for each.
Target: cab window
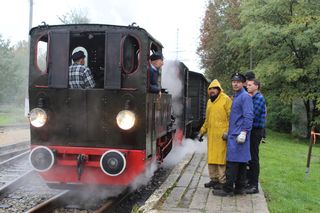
(130, 54)
(41, 54)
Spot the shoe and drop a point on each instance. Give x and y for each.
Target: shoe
(210, 184)
(252, 190)
(248, 186)
(218, 186)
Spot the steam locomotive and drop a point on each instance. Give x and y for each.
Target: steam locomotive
(107, 135)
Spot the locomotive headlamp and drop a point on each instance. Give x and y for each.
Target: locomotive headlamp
(126, 119)
(38, 117)
(41, 158)
(113, 162)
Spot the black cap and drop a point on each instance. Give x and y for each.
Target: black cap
(78, 55)
(250, 75)
(238, 77)
(156, 56)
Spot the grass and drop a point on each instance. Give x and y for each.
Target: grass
(283, 164)
(11, 114)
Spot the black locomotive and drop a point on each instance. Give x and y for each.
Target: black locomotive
(106, 135)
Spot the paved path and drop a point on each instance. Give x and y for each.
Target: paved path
(184, 191)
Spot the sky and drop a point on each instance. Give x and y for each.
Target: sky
(175, 23)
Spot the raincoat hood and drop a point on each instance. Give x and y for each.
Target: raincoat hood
(214, 83)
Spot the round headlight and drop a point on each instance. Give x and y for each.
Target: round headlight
(126, 119)
(38, 117)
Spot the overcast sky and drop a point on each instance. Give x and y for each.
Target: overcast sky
(161, 18)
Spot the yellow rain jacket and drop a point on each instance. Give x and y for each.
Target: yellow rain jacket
(216, 123)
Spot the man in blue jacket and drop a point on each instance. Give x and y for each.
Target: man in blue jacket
(238, 147)
(156, 62)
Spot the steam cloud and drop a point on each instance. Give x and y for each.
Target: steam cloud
(180, 150)
(145, 177)
(171, 79)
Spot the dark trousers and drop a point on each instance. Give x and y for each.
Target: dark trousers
(235, 176)
(264, 134)
(254, 165)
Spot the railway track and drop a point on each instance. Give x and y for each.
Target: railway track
(9, 151)
(70, 202)
(12, 168)
(21, 188)
(97, 203)
(14, 140)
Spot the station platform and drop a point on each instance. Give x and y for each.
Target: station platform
(184, 191)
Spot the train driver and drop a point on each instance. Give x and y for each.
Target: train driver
(156, 62)
(80, 76)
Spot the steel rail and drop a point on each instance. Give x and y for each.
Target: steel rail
(10, 160)
(15, 184)
(50, 204)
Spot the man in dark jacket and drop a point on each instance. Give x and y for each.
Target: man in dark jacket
(259, 109)
(156, 62)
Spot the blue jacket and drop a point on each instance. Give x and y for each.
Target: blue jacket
(241, 118)
(154, 74)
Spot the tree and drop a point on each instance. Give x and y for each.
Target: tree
(13, 72)
(284, 36)
(21, 60)
(216, 58)
(75, 17)
(279, 39)
(8, 71)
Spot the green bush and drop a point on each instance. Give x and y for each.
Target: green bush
(279, 115)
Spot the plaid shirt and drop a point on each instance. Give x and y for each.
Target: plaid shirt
(259, 110)
(80, 76)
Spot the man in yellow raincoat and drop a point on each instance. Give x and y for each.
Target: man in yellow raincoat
(216, 126)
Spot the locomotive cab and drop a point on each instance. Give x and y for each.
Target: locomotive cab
(104, 135)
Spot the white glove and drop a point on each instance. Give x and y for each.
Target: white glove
(241, 138)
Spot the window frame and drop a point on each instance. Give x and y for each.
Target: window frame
(36, 59)
(136, 64)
